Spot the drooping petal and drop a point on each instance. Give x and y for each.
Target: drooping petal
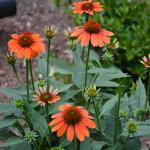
(61, 131)
(79, 133)
(55, 121)
(56, 115)
(57, 126)
(63, 107)
(70, 133)
(77, 32)
(89, 123)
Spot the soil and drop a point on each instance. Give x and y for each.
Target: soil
(31, 16)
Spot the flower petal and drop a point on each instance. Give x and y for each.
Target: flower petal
(70, 133)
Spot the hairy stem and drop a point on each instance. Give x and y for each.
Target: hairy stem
(31, 74)
(48, 59)
(16, 73)
(27, 79)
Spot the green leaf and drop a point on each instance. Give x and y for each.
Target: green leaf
(64, 87)
(86, 144)
(12, 142)
(7, 108)
(79, 71)
(37, 120)
(98, 145)
(63, 71)
(14, 93)
(109, 105)
(7, 122)
(22, 146)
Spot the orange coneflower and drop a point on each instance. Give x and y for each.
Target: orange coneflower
(87, 6)
(92, 32)
(146, 61)
(73, 120)
(44, 97)
(27, 45)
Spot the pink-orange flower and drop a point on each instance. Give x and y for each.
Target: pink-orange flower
(92, 32)
(74, 120)
(146, 61)
(27, 45)
(87, 6)
(44, 97)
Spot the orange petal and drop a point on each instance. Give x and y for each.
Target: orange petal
(106, 32)
(95, 39)
(55, 121)
(84, 38)
(61, 131)
(79, 133)
(89, 123)
(84, 129)
(57, 126)
(70, 133)
(57, 115)
(56, 98)
(15, 36)
(64, 107)
(77, 32)
(28, 53)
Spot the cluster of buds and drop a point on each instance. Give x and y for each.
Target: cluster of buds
(142, 114)
(91, 91)
(132, 126)
(72, 42)
(50, 32)
(10, 58)
(41, 83)
(146, 61)
(123, 114)
(30, 136)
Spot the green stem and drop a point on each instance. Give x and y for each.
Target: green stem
(48, 59)
(97, 116)
(20, 129)
(148, 92)
(116, 126)
(83, 51)
(31, 73)
(126, 141)
(74, 144)
(86, 69)
(27, 78)
(16, 73)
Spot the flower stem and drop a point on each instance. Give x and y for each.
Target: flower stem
(126, 141)
(86, 69)
(97, 116)
(27, 78)
(30, 65)
(16, 73)
(74, 144)
(116, 125)
(148, 92)
(48, 59)
(83, 51)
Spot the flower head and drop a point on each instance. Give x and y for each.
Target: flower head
(132, 126)
(92, 91)
(67, 33)
(92, 32)
(87, 6)
(73, 120)
(43, 96)
(123, 114)
(146, 61)
(27, 44)
(19, 103)
(50, 31)
(10, 58)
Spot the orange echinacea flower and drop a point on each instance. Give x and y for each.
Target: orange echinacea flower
(87, 6)
(72, 120)
(27, 45)
(92, 32)
(44, 97)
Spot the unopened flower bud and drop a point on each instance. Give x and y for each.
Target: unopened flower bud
(114, 44)
(123, 114)
(107, 56)
(50, 31)
(91, 91)
(41, 83)
(67, 33)
(30, 136)
(132, 126)
(19, 104)
(10, 58)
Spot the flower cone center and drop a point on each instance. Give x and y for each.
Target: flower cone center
(45, 97)
(72, 116)
(26, 40)
(92, 26)
(87, 6)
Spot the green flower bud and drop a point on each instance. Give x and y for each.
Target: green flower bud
(72, 44)
(19, 104)
(123, 114)
(50, 31)
(10, 58)
(132, 126)
(91, 91)
(108, 56)
(41, 83)
(113, 44)
(30, 136)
